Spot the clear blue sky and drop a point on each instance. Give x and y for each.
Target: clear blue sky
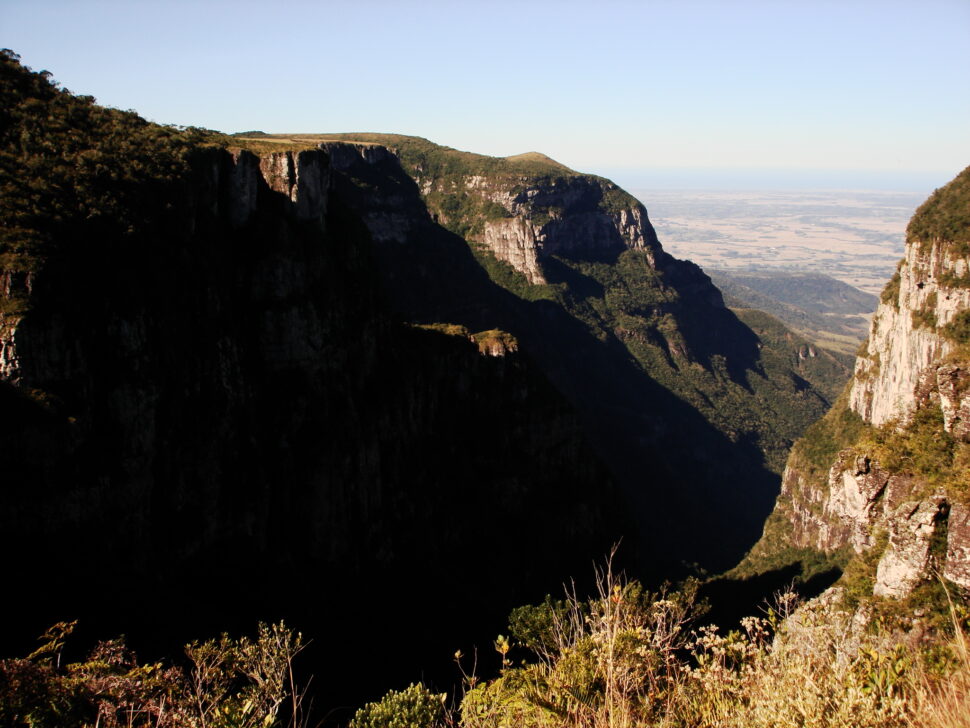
(626, 88)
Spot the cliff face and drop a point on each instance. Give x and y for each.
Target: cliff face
(231, 189)
(898, 489)
(904, 361)
(227, 419)
(561, 216)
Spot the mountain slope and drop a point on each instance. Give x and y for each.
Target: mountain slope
(808, 291)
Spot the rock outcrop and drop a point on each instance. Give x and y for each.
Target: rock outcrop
(567, 216)
(899, 481)
(957, 567)
(907, 559)
(514, 240)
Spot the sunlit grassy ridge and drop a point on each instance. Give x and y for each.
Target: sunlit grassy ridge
(73, 172)
(445, 171)
(945, 215)
(626, 657)
(433, 159)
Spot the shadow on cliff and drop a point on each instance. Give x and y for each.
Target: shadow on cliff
(697, 496)
(222, 424)
(708, 329)
(730, 599)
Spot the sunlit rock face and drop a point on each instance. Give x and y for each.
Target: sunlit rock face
(913, 368)
(906, 560)
(903, 353)
(532, 218)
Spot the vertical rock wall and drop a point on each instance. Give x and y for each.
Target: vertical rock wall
(905, 346)
(913, 362)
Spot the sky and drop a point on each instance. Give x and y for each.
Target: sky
(854, 93)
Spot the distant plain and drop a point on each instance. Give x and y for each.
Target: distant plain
(854, 236)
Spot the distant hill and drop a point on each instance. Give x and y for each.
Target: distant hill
(831, 313)
(811, 291)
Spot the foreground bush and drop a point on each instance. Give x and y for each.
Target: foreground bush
(414, 707)
(242, 683)
(627, 658)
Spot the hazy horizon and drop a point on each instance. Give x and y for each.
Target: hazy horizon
(610, 88)
(787, 180)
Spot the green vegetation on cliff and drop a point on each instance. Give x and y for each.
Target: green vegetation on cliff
(945, 216)
(890, 293)
(958, 331)
(840, 428)
(72, 171)
(690, 403)
(921, 448)
(630, 300)
(626, 301)
(809, 461)
(885, 502)
(453, 181)
(769, 392)
(436, 162)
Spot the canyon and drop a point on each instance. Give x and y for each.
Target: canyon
(385, 389)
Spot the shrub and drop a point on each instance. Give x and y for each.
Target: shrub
(237, 683)
(945, 215)
(926, 315)
(625, 658)
(958, 330)
(610, 660)
(890, 294)
(413, 707)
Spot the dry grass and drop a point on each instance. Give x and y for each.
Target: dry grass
(625, 659)
(944, 701)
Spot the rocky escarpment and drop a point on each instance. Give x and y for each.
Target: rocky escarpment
(522, 209)
(639, 342)
(865, 506)
(238, 406)
(883, 475)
